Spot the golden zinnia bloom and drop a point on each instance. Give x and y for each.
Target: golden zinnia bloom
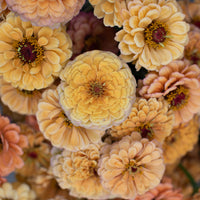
(77, 171)
(182, 139)
(131, 166)
(153, 33)
(110, 10)
(21, 192)
(36, 155)
(46, 12)
(151, 118)
(57, 128)
(97, 90)
(20, 101)
(192, 50)
(30, 56)
(179, 83)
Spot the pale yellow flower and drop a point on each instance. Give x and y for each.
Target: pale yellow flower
(151, 118)
(131, 166)
(57, 128)
(153, 33)
(97, 90)
(77, 171)
(31, 57)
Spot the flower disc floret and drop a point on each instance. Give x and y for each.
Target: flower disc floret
(97, 90)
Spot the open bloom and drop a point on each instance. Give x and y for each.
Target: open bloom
(77, 171)
(11, 144)
(153, 33)
(131, 166)
(97, 90)
(151, 118)
(20, 101)
(57, 128)
(21, 192)
(182, 139)
(46, 12)
(31, 57)
(110, 10)
(179, 83)
(89, 33)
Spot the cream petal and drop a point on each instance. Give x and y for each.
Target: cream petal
(139, 39)
(178, 27)
(52, 57)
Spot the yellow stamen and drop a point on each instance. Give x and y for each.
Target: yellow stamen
(67, 121)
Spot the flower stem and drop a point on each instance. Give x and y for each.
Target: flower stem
(191, 179)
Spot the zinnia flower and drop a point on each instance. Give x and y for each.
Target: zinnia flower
(110, 10)
(11, 144)
(57, 128)
(153, 33)
(89, 33)
(77, 171)
(179, 83)
(20, 101)
(46, 12)
(192, 50)
(97, 90)
(164, 190)
(21, 192)
(151, 118)
(30, 56)
(36, 155)
(131, 166)
(182, 139)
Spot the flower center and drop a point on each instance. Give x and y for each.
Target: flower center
(96, 89)
(29, 51)
(132, 168)
(178, 97)
(66, 120)
(155, 34)
(193, 56)
(25, 92)
(145, 130)
(33, 155)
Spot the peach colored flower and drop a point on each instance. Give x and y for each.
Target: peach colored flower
(20, 101)
(36, 155)
(57, 128)
(151, 118)
(31, 57)
(131, 166)
(20, 192)
(46, 12)
(182, 139)
(11, 144)
(192, 50)
(97, 90)
(110, 10)
(179, 83)
(164, 190)
(2, 180)
(77, 171)
(89, 33)
(153, 34)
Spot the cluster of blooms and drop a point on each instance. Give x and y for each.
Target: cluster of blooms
(99, 99)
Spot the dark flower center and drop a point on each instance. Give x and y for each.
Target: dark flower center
(33, 155)
(196, 21)
(155, 34)
(145, 130)
(96, 89)
(178, 97)
(67, 121)
(133, 169)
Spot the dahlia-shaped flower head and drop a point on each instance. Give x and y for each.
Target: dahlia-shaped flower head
(192, 49)
(131, 166)
(77, 171)
(20, 101)
(31, 57)
(164, 190)
(11, 144)
(46, 12)
(153, 33)
(20, 192)
(179, 83)
(182, 140)
(89, 33)
(151, 118)
(110, 10)
(57, 128)
(97, 90)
